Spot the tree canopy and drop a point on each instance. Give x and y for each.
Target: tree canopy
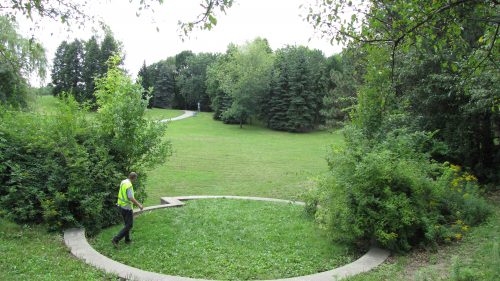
(77, 64)
(19, 57)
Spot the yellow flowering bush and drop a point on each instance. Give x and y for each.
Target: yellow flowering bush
(393, 194)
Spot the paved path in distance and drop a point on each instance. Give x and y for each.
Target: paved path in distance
(187, 114)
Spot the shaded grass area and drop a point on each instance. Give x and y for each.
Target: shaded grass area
(227, 239)
(477, 257)
(30, 253)
(212, 158)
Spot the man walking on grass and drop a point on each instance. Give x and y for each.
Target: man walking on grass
(125, 200)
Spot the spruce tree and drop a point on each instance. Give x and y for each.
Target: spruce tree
(90, 68)
(73, 70)
(145, 75)
(278, 94)
(164, 85)
(297, 90)
(109, 47)
(57, 75)
(299, 116)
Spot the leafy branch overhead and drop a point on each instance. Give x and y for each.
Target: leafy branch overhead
(75, 13)
(207, 19)
(401, 24)
(65, 11)
(24, 56)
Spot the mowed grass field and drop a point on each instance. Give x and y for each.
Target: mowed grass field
(212, 158)
(227, 239)
(30, 253)
(48, 105)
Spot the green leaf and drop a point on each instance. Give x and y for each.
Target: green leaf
(212, 20)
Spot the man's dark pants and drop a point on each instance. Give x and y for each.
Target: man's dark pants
(128, 219)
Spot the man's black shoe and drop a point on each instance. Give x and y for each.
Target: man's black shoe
(128, 241)
(114, 243)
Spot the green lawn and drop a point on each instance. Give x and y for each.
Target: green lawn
(29, 253)
(161, 114)
(48, 105)
(44, 104)
(211, 158)
(226, 239)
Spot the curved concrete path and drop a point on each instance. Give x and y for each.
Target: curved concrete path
(76, 241)
(187, 114)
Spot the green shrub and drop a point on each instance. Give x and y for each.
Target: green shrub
(389, 191)
(64, 169)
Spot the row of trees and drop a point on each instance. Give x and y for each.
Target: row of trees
(286, 89)
(78, 63)
(178, 81)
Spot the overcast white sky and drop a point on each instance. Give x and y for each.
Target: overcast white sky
(279, 21)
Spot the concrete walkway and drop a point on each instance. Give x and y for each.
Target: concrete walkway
(187, 114)
(79, 247)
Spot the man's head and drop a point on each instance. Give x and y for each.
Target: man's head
(132, 176)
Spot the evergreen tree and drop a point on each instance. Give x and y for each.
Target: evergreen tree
(146, 82)
(299, 117)
(278, 99)
(78, 63)
(73, 70)
(164, 85)
(90, 68)
(160, 77)
(58, 78)
(109, 47)
(298, 86)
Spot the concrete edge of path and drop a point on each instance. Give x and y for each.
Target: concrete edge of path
(186, 114)
(76, 241)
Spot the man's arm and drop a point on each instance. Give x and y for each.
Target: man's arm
(131, 198)
(136, 202)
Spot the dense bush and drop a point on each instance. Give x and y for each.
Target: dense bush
(64, 169)
(389, 191)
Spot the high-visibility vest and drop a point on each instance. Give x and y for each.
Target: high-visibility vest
(122, 193)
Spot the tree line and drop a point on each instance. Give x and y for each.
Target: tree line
(78, 63)
(285, 89)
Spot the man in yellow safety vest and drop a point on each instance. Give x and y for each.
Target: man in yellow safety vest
(125, 200)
